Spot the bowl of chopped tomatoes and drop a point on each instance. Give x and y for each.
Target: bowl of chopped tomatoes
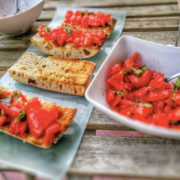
(131, 87)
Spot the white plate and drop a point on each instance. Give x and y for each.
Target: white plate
(161, 58)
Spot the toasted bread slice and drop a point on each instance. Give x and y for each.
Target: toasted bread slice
(54, 74)
(65, 120)
(67, 51)
(107, 29)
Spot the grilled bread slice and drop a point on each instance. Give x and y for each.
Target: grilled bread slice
(107, 29)
(67, 51)
(67, 115)
(54, 74)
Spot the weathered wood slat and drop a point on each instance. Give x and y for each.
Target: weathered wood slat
(99, 120)
(22, 42)
(137, 11)
(152, 24)
(129, 157)
(2, 73)
(113, 3)
(8, 58)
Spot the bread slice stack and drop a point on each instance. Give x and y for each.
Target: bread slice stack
(54, 74)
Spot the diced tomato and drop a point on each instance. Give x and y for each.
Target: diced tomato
(139, 93)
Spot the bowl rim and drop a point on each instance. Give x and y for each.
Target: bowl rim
(135, 124)
(23, 12)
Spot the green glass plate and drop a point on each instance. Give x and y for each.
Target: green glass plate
(54, 162)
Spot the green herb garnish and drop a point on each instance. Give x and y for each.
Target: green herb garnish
(138, 72)
(148, 105)
(120, 93)
(22, 114)
(48, 29)
(90, 13)
(16, 95)
(69, 31)
(144, 67)
(176, 85)
(111, 24)
(82, 13)
(128, 71)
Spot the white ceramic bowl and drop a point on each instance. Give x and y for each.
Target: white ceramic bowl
(161, 58)
(22, 21)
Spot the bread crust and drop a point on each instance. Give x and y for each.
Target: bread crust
(54, 74)
(64, 121)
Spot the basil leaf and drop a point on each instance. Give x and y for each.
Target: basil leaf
(138, 72)
(22, 114)
(48, 29)
(144, 67)
(176, 85)
(16, 95)
(120, 93)
(90, 13)
(128, 71)
(69, 31)
(82, 13)
(148, 105)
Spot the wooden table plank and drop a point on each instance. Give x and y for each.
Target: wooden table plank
(137, 11)
(130, 157)
(106, 3)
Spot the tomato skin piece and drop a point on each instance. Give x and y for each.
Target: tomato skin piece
(160, 119)
(176, 98)
(34, 123)
(141, 81)
(141, 111)
(157, 95)
(140, 93)
(2, 120)
(23, 128)
(51, 133)
(110, 96)
(157, 82)
(175, 114)
(128, 64)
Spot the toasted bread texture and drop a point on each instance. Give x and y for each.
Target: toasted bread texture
(107, 29)
(67, 51)
(54, 74)
(65, 120)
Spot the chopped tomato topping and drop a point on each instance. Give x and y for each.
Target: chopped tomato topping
(29, 117)
(138, 92)
(87, 19)
(79, 37)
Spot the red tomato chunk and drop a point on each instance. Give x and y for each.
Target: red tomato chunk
(136, 91)
(25, 117)
(87, 19)
(79, 37)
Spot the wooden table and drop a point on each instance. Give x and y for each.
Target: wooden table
(121, 156)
